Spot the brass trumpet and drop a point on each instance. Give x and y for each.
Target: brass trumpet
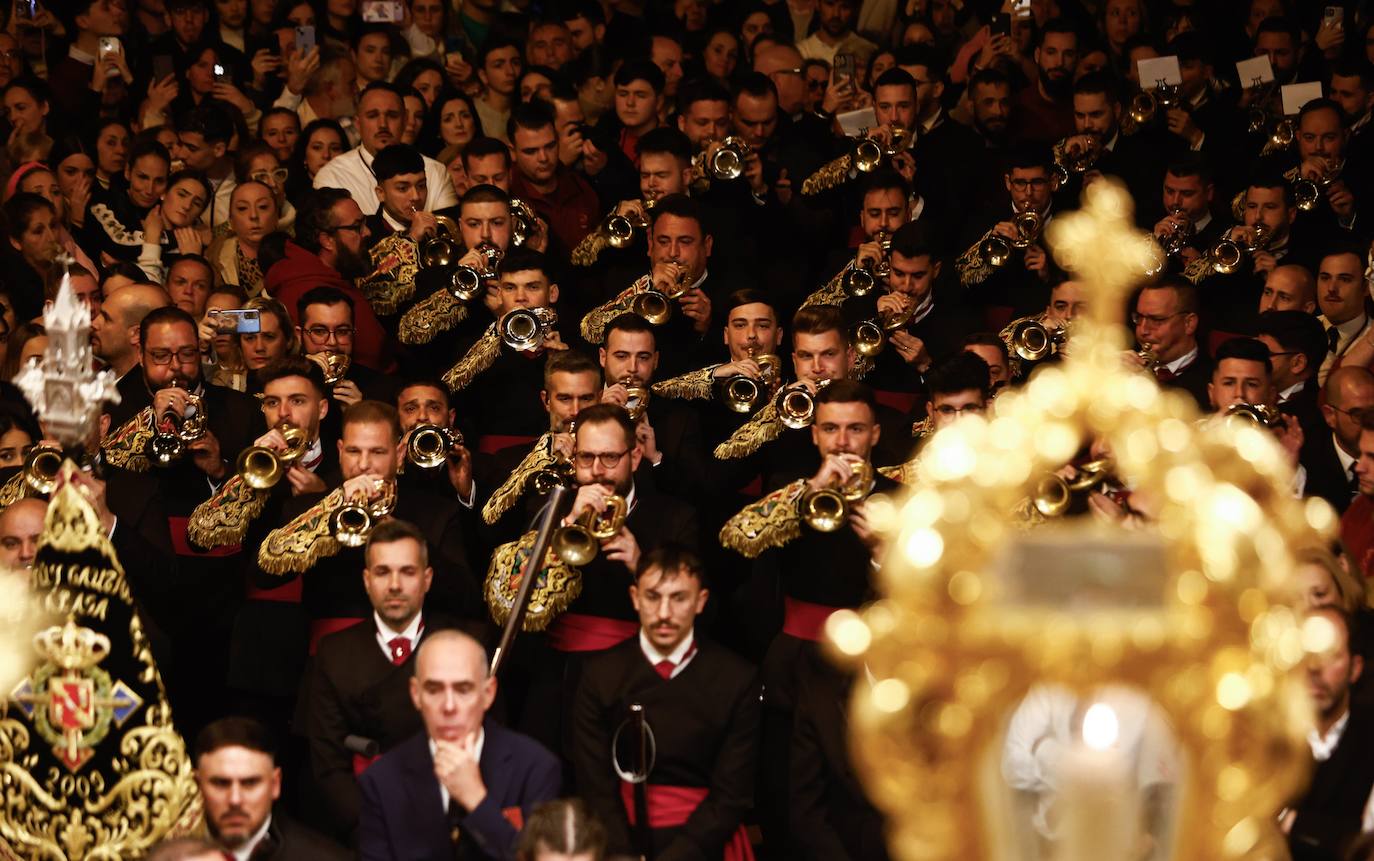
(465, 282)
(526, 329)
(656, 306)
(1147, 104)
(172, 433)
(727, 162)
(869, 153)
(42, 466)
(1149, 359)
(1308, 192)
(1078, 160)
(578, 543)
(523, 222)
(334, 365)
(1034, 341)
(1228, 254)
(1054, 493)
(352, 522)
(557, 474)
(1256, 415)
(429, 445)
(870, 336)
(996, 249)
(1179, 234)
(744, 394)
(620, 229)
(636, 398)
(443, 248)
(796, 405)
(827, 509)
(860, 280)
(262, 467)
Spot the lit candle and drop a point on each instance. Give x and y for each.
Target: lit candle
(1098, 807)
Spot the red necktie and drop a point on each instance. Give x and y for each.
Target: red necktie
(1164, 375)
(400, 650)
(665, 668)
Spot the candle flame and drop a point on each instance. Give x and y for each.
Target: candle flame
(1100, 726)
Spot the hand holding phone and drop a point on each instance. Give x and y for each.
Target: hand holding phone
(240, 321)
(305, 38)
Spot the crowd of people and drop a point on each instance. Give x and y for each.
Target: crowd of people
(377, 277)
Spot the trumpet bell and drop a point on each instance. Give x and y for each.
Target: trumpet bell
(858, 282)
(1143, 107)
(41, 468)
(868, 155)
(653, 306)
(574, 545)
(164, 449)
(636, 401)
(260, 467)
(465, 284)
(741, 393)
(523, 221)
(824, 510)
(1227, 255)
(796, 407)
(429, 445)
(1028, 226)
(441, 250)
(869, 338)
(1306, 194)
(545, 480)
(1254, 415)
(620, 231)
(1052, 496)
(525, 329)
(1032, 341)
(351, 524)
(995, 251)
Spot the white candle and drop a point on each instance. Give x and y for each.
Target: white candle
(1098, 804)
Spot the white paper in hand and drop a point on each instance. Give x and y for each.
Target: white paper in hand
(1159, 70)
(1255, 71)
(1297, 95)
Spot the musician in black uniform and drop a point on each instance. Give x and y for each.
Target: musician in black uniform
(197, 612)
(702, 705)
(598, 614)
(1166, 324)
(359, 680)
(822, 571)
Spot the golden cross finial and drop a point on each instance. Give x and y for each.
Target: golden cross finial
(1102, 247)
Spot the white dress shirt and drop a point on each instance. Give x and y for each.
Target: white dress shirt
(1324, 745)
(476, 754)
(244, 852)
(1347, 332)
(1181, 362)
(352, 172)
(411, 634)
(679, 657)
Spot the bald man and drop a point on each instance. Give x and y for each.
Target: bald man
(463, 775)
(780, 63)
(114, 330)
(1289, 288)
(1331, 458)
(20, 526)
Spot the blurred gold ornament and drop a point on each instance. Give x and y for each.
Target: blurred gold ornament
(1185, 608)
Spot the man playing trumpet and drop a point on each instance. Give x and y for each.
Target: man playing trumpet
(590, 611)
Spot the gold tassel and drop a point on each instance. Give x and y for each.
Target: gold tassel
(477, 359)
(594, 324)
(437, 312)
(555, 588)
(695, 385)
(513, 487)
(770, 522)
(830, 175)
(590, 248)
(832, 293)
(15, 489)
(749, 437)
(297, 546)
(395, 264)
(127, 447)
(1199, 269)
(223, 519)
(971, 266)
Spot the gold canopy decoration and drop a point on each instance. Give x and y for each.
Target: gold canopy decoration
(91, 765)
(1190, 609)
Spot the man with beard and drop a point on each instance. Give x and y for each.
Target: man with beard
(330, 250)
(1045, 111)
(836, 35)
(240, 781)
(991, 104)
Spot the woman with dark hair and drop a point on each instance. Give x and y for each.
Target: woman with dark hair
(720, 56)
(16, 436)
(199, 75)
(173, 226)
(425, 76)
(336, 21)
(74, 166)
(450, 125)
(252, 216)
(39, 179)
(275, 340)
(26, 104)
(111, 152)
(319, 143)
(562, 829)
(26, 345)
(32, 226)
(258, 162)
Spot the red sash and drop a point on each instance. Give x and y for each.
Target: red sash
(804, 620)
(493, 442)
(575, 632)
(670, 806)
(321, 628)
(288, 592)
(902, 402)
(754, 488)
(176, 526)
(360, 763)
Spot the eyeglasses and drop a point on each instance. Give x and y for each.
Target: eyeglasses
(278, 175)
(1153, 319)
(324, 333)
(1023, 184)
(184, 356)
(1357, 414)
(357, 225)
(607, 459)
(950, 411)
